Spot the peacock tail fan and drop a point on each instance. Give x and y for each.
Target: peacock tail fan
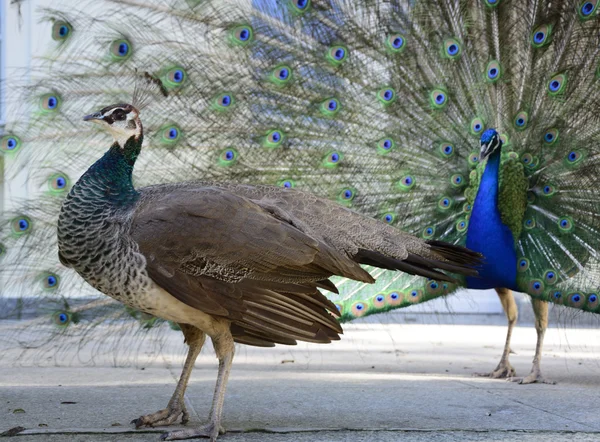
(377, 105)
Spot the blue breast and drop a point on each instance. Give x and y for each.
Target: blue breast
(488, 235)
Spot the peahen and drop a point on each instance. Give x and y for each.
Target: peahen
(385, 107)
(237, 263)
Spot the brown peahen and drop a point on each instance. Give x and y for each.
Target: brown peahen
(238, 263)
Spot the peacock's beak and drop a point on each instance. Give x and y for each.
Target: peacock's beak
(486, 150)
(94, 116)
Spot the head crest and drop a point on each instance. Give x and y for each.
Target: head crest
(146, 86)
(488, 135)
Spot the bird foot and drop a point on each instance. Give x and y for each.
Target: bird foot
(165, 417)
(211, 431)
(535, 377)
(503, 371)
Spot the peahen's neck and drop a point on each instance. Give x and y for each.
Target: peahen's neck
(110, 178)
(97, 209)
(488, 235)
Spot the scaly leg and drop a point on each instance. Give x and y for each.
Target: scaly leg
(176, 407)
(224, 348)
(504, 369)
(540, 309)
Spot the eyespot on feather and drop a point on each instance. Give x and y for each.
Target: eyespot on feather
(395, 43)
(386, 95)
(61, 30)
(120, 50)
(332, 159)
(394, 298)
(336, 55)
(385, 146)
(451, 48)
(273, 139)
(541, 36)
(228, 157)
(10, 144)
(241, 35)
(493, 71)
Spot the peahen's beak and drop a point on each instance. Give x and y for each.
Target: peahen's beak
(94, 116)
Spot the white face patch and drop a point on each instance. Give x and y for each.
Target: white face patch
(121, 128)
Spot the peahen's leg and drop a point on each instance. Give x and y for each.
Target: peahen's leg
(224, 348)
(176, 407)
(504, 369)
(540, 309)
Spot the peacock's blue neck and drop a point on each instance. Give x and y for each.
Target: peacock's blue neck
(487, 234)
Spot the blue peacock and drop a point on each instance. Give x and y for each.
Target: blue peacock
(473, 122)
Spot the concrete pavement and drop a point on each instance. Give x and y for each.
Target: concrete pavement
(382, 382)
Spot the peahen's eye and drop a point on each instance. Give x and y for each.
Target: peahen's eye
(119, 115)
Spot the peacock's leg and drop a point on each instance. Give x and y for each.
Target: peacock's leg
(225, 349)
(176, 407)
(504, 369)
(540, 308)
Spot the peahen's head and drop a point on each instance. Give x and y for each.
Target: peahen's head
(490, 143)
(121, 120)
